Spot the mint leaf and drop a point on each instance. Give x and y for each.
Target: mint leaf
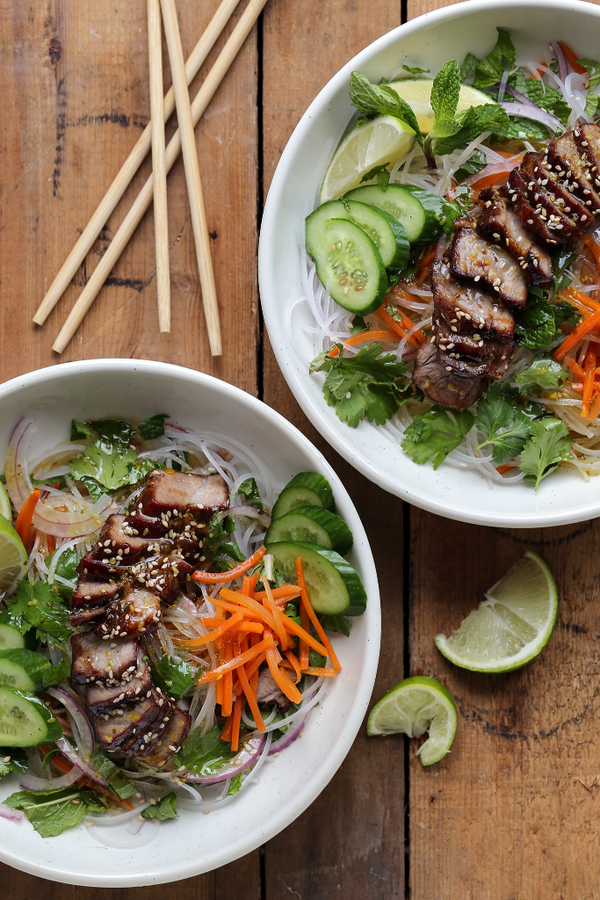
(474, 164)
(52, 812)
(592, 68)
(248, 489)
(445, 91)
(117, 781)
(153, 427)
(37, 605)
(164, 809)
(416, 70)
(205, 755)
(375, 172)
(435, 434)
(550, 445)
(379, 99)
(338, 624)
(489, 70)
(445, 212)
(535, 326)
(235, 784)
(549, 98)
(365, 386)
(470, 123)
(544, 375)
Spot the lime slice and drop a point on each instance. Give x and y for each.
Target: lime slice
(377, 142)
(5, 507)
(511, 626)
(12, 555)
(414, 706)
(417, 92)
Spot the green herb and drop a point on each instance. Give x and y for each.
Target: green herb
(436, 434)
(174, 675)
(544, 375)
(381, 173)
(204, 755)
(37, 605)
(80, 430)
(358, 325)
(550, 445)
(315, 659)
(364, 386)
(489, 71)
(117, 781)
(562, 257)
(416, 70)
(109, 462)
(535, 326)
(474, 164)
(592, 68)
(382, 100)
(248, 489)
(503, 427)
(549, 98)
(444, 211)
(164, 809)
(52, 812)
(153, 427)
(339, 624)
(235, 784)
(12, 759)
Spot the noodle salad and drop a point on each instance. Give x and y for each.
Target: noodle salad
(512, 401)
(166, 633)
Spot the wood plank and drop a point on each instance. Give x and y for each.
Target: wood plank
(357, 847)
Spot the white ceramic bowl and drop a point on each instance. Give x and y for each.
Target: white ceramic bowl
(427, 41)
(196, 843)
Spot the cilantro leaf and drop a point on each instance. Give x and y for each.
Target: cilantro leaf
(109, 462)
(510, 442)
(37, 605)
(153, 427)
(12, 759)
(380, 99)
(79, 430)
(494, 411)
(543, 375)
(174, 675)
(117, 781)
(358, 324)
(365, 386)
(204, 755)
(51, 812)
(248, 489)
(436, 434)
(550, 445)
(164, 809)
(219, 529)
(489, 71)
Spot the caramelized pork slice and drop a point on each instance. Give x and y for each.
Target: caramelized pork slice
(522, 205)
(143, 740)
(474, 346)
(545, 204)
(441, 384)
(137, 612)
(130, 723)
(587, 138)
(95, 659)
(163, 575)
(93, 593)
(469, 309)
(475, 259)
(499, 223)
(184, 495)
(492, 365)
(103, 697)
(170, 741)
(572, 164)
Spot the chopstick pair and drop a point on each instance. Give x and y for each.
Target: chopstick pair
(131, 165)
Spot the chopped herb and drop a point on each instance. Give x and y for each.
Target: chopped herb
(12, 759)
(380, 99)
(550, 445)
(174, 675)
(248, 489)
(37, 605)
(52, 812)
(204, 755)
(544, 375)
(153, 427)
(436, 433)
(164, 809)
(115, 777)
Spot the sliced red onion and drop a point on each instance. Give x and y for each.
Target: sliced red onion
(70, 523)
(32, 783)
(7, 812)
(532, 112)
(247, 755)
(82, 729)
(288, 738)
(74, 758)
(519, 96)
(18, 482)
(561, 59)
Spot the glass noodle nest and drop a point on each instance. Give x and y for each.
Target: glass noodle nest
(332, 324)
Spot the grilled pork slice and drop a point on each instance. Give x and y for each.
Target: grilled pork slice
(587, 138)
(95, 659)
(475, 259)
(104, 697)
(93, 593)
(163, 575)
(130, 723)
(169, 742)
(476, 346)
(572, 164)
(519, 196)
(183, 495)
(144, 739)
(137, 612)
(545, 204)
(469, 309)
(441, 384)
(499, 223)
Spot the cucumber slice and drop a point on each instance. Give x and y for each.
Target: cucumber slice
(23, 670)
(11, 636)
(25, 721)
(349, 265)
(305, 489)
(402, 205)
(312, 525)
(442, 210)
(383, 229)
(334, 586)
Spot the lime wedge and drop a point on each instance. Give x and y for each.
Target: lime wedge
(511, 626)
(417, 93)
(5, 507)
(377, 142)
(414, 706)
(13, 555)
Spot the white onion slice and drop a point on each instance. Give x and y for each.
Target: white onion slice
(32, 783)
(18, 482)
(51, 518)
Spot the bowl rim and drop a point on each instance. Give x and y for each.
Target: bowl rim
(348, 727)
(318, 415)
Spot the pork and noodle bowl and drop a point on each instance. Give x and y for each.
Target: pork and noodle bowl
(475, 343)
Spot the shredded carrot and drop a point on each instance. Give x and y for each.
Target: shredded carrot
(374, 334)
(51, 543)
(251, 698)
(303, 651)
(298, 631)
(293, 661)
(276, 613)
(63, 766)
(280, 676)
(579, 299)
(574, 367)
(25, 517)
(245, 627)
(593, 246)
(237, 718)
(241, 660)
(401, 328)
(318, 670)
(220, 577)
(313, 618)
(572, 58)
(582, 329)
(227, 728)
(225, 626)
(488, 180)
(285, 592)
(595, 407)
(502, 470)
(589, 379)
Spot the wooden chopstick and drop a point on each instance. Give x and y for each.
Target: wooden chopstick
(129, 168)
(144, 198)
(192, 177)
(161, 220)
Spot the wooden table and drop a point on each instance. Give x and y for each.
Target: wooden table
(512, 812)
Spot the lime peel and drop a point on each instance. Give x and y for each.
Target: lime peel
(412, 707)
(511, 626)
(417, 93)
(13, 555)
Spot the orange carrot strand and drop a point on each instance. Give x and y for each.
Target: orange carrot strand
(217, 673)
(313, 617)
(24, 519)
(237, 718)
(231, 574)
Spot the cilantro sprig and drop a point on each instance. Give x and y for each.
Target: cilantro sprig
(436, 433)
(110, 461)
